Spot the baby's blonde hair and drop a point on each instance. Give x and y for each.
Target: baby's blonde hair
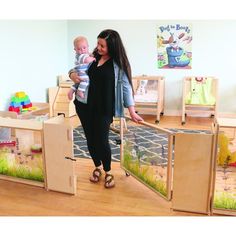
(80, 38)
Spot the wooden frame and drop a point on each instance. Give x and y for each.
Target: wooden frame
(195, 169)
(221, 123)
(28, 125)
(128, 171)
(59, 156)
(41, 109)
(57, 152)
(150, 107)
(192, 188)
(197, 108)
(58, 100)
(193, 172)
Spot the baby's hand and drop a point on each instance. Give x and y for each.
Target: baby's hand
(70, 94)
(90, 59)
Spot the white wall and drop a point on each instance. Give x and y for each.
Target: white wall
(213, 48)
(32, 54)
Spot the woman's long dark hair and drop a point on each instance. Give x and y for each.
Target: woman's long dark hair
(116, 51)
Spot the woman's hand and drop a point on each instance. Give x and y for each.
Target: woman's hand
(74, 77)
(134, 116)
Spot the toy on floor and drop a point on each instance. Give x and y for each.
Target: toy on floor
(20, 103)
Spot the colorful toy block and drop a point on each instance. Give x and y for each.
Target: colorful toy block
(20, 102)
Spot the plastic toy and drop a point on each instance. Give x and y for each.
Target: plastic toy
(20, 103)
(36, 148)
(8, 143)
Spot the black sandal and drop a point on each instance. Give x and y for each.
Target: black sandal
(109, 178)
(95, 178)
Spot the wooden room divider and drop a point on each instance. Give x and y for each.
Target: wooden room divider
(37, 153)
(178, 166)
(146, 154)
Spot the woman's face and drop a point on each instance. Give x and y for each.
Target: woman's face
(102, 47)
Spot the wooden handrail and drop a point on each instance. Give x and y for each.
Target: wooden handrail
(151, 125)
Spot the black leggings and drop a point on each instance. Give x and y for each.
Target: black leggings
(96, 128)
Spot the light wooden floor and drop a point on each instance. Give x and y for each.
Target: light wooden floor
(128, 198)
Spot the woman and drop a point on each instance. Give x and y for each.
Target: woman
(109, 91)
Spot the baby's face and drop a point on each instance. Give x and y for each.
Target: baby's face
(81, 47)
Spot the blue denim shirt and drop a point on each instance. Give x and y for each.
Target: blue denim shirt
(123, 92)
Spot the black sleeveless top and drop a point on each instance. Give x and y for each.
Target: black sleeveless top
(101, 94)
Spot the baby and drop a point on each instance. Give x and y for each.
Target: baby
(83, 59)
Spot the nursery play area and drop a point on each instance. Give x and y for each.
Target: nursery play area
(180, 160)
(38, 148)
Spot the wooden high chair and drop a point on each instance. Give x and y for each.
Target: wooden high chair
(200, 96)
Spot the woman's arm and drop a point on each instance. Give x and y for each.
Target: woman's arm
(74, 76)
(134, 116)
(128, 99)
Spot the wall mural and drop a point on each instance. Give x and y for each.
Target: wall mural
(174, 46)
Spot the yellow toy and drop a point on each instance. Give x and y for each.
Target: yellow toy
(225, 156)
(20, 94)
